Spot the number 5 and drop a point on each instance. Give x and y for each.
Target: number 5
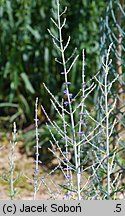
(118, 208)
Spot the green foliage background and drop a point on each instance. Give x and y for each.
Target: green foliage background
(27, 52)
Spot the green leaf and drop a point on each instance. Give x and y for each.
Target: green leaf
(34, 32)
(122, 188)
(25, 103)
(13, 117)
(67, 188)
(8, 105)
(27, 83)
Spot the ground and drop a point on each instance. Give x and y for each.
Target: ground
(24, 166)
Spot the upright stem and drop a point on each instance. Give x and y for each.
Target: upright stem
(82, 107)
(119, 67)
(68, 172)
(11, 176)
(107, 132)
(13, 144)
(70, 106)
(36, 152)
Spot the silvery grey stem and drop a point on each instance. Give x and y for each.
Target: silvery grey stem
(81, 117)
(69, 102)
(107, 132)
(12, 164)
(36, 151)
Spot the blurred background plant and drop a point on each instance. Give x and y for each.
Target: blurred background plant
(26, 53)
(113, 31)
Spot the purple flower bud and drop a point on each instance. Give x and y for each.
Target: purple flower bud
(57, 132)
(65, 159)
(66, 153)
(65, 185)
(80, 132)
(82, 113)
(36, 172)
(40, 161)
(66, 103)
(70, 96)
(67, 83)
(67, 168)
(82, 121)
(67, 195)
(84, 84)
(65, 91)
(64, 138)
(42, 178)
(35, 161)
(68, 177)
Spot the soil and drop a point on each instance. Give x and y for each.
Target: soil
(24, 168)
